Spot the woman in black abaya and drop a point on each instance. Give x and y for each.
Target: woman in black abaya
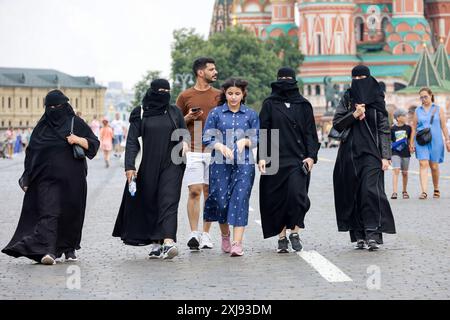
(362, 207)
(150, 216)
(55, 185)
(284, 199)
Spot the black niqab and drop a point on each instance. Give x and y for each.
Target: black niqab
(286, 91)
(367, 91)
(155, 102)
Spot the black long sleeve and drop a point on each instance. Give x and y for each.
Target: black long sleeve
(132, 147)
(86, 132)
(311, 139)
(384, 134)
(265, 123)
(343, 118)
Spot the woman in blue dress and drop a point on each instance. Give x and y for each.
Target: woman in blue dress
(431, 154)
(231, 132)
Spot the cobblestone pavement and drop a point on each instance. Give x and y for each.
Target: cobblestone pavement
(414, 264)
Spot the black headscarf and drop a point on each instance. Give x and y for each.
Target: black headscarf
(156, 102)
(367, 91)
(54, 126)
(286, 90)
(57, 109)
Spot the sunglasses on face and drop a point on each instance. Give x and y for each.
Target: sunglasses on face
(424, 97)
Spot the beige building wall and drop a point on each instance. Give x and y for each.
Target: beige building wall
(23, 107)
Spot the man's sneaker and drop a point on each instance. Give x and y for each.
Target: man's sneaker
(373, 245)
(295, 242)
(226, 243)
(360, 245)
(205, 241)
(236, 250)
(194, 241)
(70, 256)
(155, 251)
(170, 251)
(48, 260)
(283, 245)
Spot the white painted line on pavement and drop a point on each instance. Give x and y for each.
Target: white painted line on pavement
(251, 209)
(325, 160)
(258, 222)
(326, 269)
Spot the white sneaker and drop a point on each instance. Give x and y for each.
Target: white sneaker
(205, 241)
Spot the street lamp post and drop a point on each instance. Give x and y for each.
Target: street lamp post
(183, 80)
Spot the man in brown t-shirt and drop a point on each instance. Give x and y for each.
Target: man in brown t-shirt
(196, 103)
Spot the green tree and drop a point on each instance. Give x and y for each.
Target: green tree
(140, 88)
(186, 47)
(238, 53)
(287, 49)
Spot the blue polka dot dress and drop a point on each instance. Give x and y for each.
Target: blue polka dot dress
(230, 181)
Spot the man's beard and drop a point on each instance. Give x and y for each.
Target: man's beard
(210, 80)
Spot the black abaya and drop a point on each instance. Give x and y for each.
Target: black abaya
(54, 206)
(151, 215)
(362, 207)
(284, 199)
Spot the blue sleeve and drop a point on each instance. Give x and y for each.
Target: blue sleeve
(210, 130)
(253, 133)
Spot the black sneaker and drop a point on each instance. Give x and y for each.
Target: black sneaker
(283, 245)
(360, 245)
(155, 251)
(48, 260)
(169, 251)
(373, 245)
(194, 242)
(70, 256)
(295, 242)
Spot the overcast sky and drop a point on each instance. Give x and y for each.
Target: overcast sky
(112, 40)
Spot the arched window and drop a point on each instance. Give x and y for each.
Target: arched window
(309, 90)
(359, 29)
(9, 102)
(317, 90)
(26, 103)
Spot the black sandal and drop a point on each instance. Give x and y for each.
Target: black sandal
(394, 196)
(423, 196)
(436, 194)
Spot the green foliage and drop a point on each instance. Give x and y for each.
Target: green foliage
(142, 86)
(238, 53)
(287, 49)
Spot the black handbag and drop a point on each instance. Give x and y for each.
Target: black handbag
(423, 137)
(78, 151)
(340, 136)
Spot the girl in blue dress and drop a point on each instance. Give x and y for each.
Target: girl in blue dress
(431, 154)
(231, 132)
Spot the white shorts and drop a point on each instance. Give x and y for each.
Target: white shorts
(197, 168)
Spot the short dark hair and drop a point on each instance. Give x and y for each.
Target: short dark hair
(200, 64)
(233, 82)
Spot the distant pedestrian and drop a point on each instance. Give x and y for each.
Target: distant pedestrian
(119, 131)
(430, 154)
(18, 142)
(95, 126)
(55, 187)
(400, 136)
(106, 141)
(231, 132)
(362, 207)
(10, 142)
